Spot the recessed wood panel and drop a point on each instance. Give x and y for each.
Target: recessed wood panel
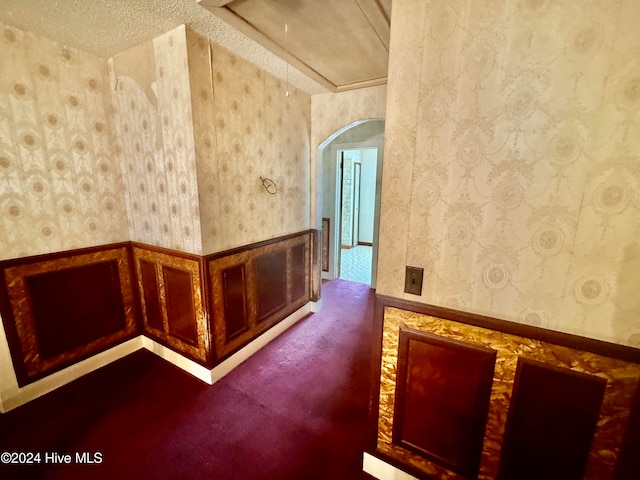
(442, 398)
(151, 295)
(235, 301)
(60, 308)
(325, 244)
(552, 419)
(299, 280)
(181, 316)
(75, 306)
(172, 288)
(271, 279)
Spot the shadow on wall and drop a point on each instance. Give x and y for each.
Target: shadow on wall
(626, 319)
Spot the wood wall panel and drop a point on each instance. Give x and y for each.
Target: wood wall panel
(174, 286)
(234, 291)
(552, 419)
(299, 287)
(151, 308)
(75, 306)
(325, 244)
(181, 314)
(277, 281)
(60, 308)
(614, 444)
(442, 398)
(271, 283)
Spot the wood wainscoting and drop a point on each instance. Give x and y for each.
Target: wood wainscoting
(61, 308)
(457, 396)
(254, 287)
(172, 300)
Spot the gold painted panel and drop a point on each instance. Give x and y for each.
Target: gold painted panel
(622, 381)
(19, 299)
(201, 350)
(247, 257)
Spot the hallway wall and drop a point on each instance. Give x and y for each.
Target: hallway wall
(60, 180)
(155, 141)
(511, 171)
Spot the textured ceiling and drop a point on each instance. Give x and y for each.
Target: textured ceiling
(108, 27)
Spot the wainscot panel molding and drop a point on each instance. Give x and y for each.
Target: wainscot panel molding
(588, 390)
(172, 301)
(254, 287)
(203, 314)
(63, 307)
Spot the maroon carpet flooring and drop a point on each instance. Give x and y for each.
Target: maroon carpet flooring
(295, 410)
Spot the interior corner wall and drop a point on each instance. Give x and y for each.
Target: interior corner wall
(60, 183)
(512, 161)
(246, 127)
(152, 95)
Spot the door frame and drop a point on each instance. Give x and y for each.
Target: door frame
(335, 238)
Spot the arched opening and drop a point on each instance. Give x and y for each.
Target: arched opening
(349, 184)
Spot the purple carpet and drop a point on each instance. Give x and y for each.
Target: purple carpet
(295, 410)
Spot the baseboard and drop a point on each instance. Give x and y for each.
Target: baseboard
(17, 396)
(382, 470)
(14, 397)
(248, 350)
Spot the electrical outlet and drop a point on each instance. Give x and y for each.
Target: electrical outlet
(413, 280)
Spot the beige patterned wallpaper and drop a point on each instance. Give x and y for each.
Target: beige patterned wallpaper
(330, 114)
(512, 161)
(246, 128)
(151, 92)
(60, 183)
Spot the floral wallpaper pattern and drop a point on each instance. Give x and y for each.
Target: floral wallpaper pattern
(247, 127)
(60, 183)
(155, 129)
(512, 161)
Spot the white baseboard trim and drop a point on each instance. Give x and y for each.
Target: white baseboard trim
(245, 352)
(20, 395)
(382, 470)
(13, 398)
(180, 361)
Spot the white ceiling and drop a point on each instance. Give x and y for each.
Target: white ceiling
(108, 27)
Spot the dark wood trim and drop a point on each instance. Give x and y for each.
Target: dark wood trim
(30, 363)
(198, 348)
(365, 244)
(265, 280)
(441, 436)
(565, 405)
(326, 243)
(315, 261)
(43, 257)
(599, 347)
(251, 246)
(167, 251)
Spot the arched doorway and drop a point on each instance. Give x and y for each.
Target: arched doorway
(349, 176)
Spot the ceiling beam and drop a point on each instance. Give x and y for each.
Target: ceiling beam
(377, 19)
(250, 31)
(214, 3)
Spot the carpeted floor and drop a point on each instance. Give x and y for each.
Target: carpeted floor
(295, 410)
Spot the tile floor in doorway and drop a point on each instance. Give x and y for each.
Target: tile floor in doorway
(355, 264)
